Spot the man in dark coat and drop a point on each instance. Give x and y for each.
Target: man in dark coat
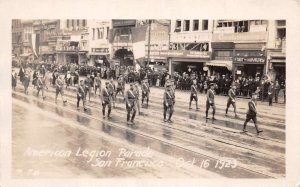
(251, 114)
(271, 91)
(26, 82)
(145, 91)
(277, 90)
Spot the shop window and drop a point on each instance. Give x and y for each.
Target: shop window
(78, 23)
(204, 25)
(84, 23)
(186, 25)
(195, 25)
(68, 23)
(73, 23)
(178, 26)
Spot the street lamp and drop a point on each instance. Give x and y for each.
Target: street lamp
(149, 35)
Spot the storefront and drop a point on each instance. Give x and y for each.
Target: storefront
(277, 65)
(222, 56)
(249, 63)
(99, 56)
(181, 61)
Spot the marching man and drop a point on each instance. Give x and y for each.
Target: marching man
(97, 84)
(59, 83)
(194, 95)
(120, 86)
(168, 102)
(106, 100)
(40, 86)
(145, 91)
(231, 100)
(251, 114)
(210, 102)
(81, 95)
(130, 104)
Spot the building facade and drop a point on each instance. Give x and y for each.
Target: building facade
(72, 42)
(241, 43)
(190, 45)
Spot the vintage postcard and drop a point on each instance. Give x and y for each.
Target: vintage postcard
(124, 99)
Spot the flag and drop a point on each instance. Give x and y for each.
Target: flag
(138, 43)
(35, 43)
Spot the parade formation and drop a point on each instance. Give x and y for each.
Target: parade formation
(109, 93)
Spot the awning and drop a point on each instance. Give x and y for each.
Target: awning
(277, 60)
(25, 54)
(220, 63)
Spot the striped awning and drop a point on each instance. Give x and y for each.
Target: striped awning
(220, 63)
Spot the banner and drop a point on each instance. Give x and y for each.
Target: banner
(138, 42)
(35, 44)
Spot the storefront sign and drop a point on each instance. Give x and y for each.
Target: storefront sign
(260, 60)
(118, 23)
(100, 50)
(180, 54)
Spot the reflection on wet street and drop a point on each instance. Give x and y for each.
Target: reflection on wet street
(54, 141)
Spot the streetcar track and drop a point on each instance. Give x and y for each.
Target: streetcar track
(148, 136)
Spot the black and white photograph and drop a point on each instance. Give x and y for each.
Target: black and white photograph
(140, 98)
(153, 93)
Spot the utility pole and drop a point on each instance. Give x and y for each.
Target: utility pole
(149, 35)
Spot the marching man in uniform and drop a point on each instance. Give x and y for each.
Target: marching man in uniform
(59, 83)
(145, 91)
(168, 102)
(97, 84)
(121, 86)
(88, 83)
(130, 104)
(40, 86)
(194, 95)
(251, 114)
(210, 101)
(106, 100)
(231, 100)
(81, 95)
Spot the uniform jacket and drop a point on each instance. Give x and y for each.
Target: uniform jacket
(59, 83)
(231, 94)
(80, 91)
(145, 87)
(130, 97)
(210, 96)
(168, 97)
(97, 81)
(194, 90)
(88, 82)
(106, 95)
(252, 108)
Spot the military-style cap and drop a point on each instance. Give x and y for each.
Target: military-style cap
(106, 82)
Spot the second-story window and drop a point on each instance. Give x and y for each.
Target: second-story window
(84, 23)
(204, 25)
(186, 25)
(93, 33)
(178, 26)
(195, 25)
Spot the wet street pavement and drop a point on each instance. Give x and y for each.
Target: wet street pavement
(58, 141)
